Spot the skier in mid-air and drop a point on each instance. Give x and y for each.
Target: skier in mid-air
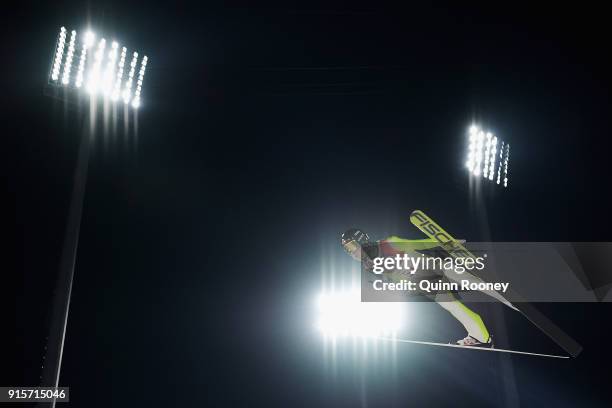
(357, 243)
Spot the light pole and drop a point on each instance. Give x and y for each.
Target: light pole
(84, 70)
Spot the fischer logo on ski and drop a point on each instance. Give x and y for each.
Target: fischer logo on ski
(434, 231)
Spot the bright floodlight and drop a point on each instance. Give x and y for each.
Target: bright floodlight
(343, 314)
(84, 61)
(482, 157)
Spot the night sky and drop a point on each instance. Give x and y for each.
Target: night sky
(264, 133)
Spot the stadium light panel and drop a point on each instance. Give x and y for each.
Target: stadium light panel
(482, 155)
(83, 59)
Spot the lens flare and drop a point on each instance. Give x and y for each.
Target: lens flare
(344, 314)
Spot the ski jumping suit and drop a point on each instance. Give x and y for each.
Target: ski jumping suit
(394, 245)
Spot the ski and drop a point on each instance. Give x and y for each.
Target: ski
(430, 343)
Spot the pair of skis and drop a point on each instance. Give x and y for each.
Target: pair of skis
(455, 249)
(430, 343)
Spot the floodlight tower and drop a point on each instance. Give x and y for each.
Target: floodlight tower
(84, 70)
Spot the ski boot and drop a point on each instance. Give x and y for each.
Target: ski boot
(470, 341)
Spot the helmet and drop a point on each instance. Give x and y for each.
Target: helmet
(354, 234)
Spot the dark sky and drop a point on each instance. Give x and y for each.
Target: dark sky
(264, 133)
